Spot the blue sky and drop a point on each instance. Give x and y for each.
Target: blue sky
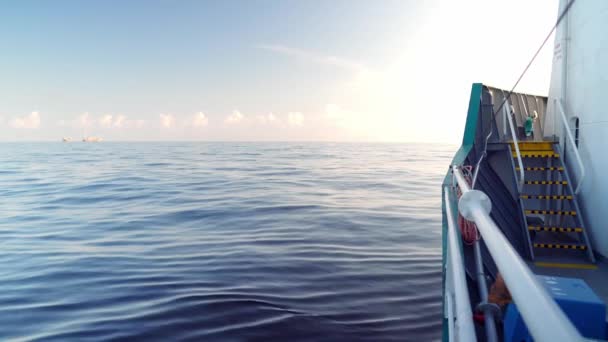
(256, 70)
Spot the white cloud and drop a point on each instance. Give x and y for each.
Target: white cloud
(120, 121)
(266, 119)
(234, 118)
(295, 119)
(167, 120)
(139, 123)
(200, 120)
(84, 120)
(106, 121)
(31, 121)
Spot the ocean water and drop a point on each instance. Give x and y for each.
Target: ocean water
(221, 241)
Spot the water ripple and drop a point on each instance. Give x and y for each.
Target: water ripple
(221, 241)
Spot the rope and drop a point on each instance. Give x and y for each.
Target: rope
(468, 229)
(559, 19)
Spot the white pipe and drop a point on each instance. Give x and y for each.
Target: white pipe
(483, 294)
(504, 125)
(449, 307)
(450, 318)
(564, 47)
(543, 317)
(523, 102)
(464, 315)
(520, 185)
(574, 148)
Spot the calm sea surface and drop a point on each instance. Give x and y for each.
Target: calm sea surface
(221, 241)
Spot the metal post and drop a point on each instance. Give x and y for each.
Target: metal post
(464, 316)
(514, 136)
(577, 155)
(449, 289)
(483, 294)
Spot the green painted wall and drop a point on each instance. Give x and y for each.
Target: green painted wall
(467, 144)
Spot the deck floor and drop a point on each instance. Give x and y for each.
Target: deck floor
(574, 266)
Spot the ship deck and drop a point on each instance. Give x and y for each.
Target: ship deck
(570, 266)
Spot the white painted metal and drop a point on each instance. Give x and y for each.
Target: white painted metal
(507, 111)
(471, 199)
(524, 105)
(467, 201)
(581, 175)
(504, 125)
(488, 313)
(579, 82)
(483, 155)
(543, 317)
(449, 297)
(462, 312)
(448, 300)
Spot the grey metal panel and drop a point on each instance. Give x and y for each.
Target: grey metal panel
(532, 102)
(495, 178)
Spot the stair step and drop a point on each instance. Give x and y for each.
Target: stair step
(536, 154)
(559, 246)
(555, 197)
(546, 182)
(533, 146)
(551, 212)
(555, 229)
(552, 168)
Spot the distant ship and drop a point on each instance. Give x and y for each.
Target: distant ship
(67, 139)
(91, 139)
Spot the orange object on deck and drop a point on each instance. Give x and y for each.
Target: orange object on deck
(499, 293)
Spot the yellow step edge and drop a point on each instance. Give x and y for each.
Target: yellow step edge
(555, 229)
(560, 265)
(559, 246)
(533, 145)
(536, 154)
(550, 212)
(555, 197)
(546, 182)
(552, 168)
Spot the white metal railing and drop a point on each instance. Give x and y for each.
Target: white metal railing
(483, 155)
(460, 317)
(543, 317)
(507, 111)
(523, 103)
(562, 113)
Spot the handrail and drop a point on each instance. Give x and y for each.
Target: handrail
(571, 138)
(482, 286)
(521, 98)
(464, 315)
(520, 185)
(543, 317)
(450, 314)
(483, 155)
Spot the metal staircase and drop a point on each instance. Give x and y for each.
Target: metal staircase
(553, 221)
